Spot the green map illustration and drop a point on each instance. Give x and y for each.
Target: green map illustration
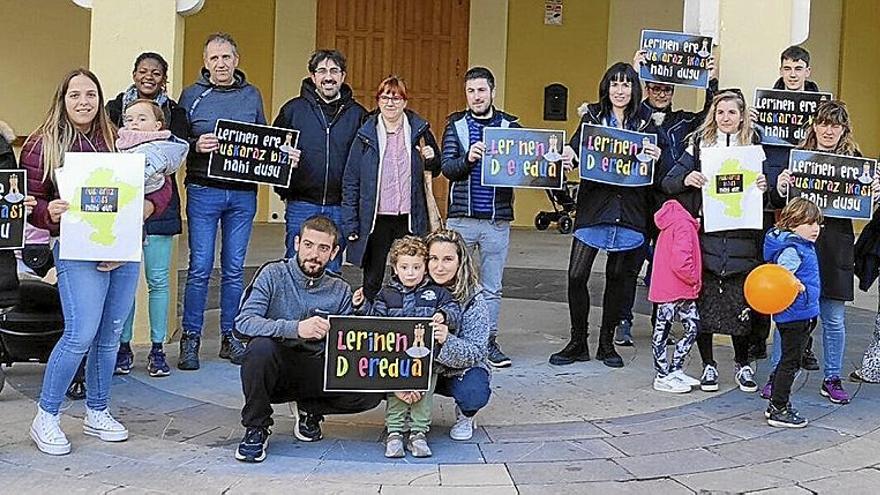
(733, 202)
(102, 223)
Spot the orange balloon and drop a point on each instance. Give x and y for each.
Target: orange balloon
(770, 289)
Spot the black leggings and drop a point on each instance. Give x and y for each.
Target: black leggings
(740, 349)
(621, 270)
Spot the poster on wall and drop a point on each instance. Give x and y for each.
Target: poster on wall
(839, 185)
(13, 190)
(675, 58)
(524, 158)
(373, 354)
(106, 194)
(615, 156)
(786, 115)
(253, 153)
(731, 198)
(553, 12)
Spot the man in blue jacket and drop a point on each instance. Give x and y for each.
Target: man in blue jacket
(283, 313)
(222, 92)
(481, 214)
(327, 118)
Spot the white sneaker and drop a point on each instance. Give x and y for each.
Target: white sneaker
(102, 425)
(46, 433)
(687, 380)
(463, 429)
(671, 384)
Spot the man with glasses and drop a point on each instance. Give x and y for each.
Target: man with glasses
(327, 118)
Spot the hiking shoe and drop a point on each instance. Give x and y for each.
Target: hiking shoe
(784, 418)
(609, 357)
(394, 445)
(576, 350)
(709, 379)
(124, 360)
(189, 352)
(671, 384)
(46, 433)
(809, 361)
(682, 377)
(623, 334)
(156, 364)
(767, 391)
(767, 411)
(253, 446)
(308, 426)
(832, 388)
(497, 359)
(104, 426)
(745, 378)
(463, 429)
(417, 445)
(232, 349)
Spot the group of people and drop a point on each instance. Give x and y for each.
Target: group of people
(360, 185)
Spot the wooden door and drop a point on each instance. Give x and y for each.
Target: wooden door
(423, 41)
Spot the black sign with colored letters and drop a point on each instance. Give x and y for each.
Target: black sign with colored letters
(675, 58)
(839, 185)
(786, 115)
(13, 190)
(372, 354)
(253, 153)
(528, 158)
(616, 156)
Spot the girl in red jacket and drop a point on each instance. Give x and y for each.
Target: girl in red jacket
(676, 279)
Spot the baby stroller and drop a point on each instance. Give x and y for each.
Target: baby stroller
(29, 331)
(563, 202)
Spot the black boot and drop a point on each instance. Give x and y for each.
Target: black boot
(189, 352)
(606, 352)
(576, 349)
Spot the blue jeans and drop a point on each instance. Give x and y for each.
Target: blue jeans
(234, 211)
(157, 262)
(492, 239)
(297, 212)
(95, 305)
(471, 390)
(832, 313)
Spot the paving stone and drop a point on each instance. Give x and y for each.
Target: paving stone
(857, 418)
(285, 444)
(474, 475)
(28, 480)
(718, 407)
(272, 486)
(860, 482)
(210, 414)
(669, 441)
(443, 453)
(779, 445)
(746, 426)
(546, 473)
(448, 490)
(131, 392)
(849, 456)
(790, 469)
(672, 463)
(634, 487)
(372, 473)
(548, 451)
(785, 490)
(544, 432)
(736, 480)
(192, 478)
(650, 423)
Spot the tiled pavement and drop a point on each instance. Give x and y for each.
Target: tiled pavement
(579, 429)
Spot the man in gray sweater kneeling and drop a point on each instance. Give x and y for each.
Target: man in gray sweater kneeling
(284, 318)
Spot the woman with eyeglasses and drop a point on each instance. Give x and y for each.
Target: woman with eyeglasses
(729, 255)
(830, 132)
(383, 189)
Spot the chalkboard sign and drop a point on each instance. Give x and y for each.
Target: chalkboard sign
(675, 58)
(839, 185)
(527, 158)
(253, 153)
(615, 156)
(785, 116)
(372, 354)
(13, 189)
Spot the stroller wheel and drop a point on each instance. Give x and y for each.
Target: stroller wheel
(565, 224)
(542, 221)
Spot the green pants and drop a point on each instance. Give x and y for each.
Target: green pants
(157, 264)
(419, 413)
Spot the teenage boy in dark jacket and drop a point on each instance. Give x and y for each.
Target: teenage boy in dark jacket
(327, 118)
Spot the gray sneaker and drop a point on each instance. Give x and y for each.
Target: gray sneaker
(623, 334)
(417, 444)
(394, 445)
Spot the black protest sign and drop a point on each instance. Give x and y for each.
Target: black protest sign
(675, 58)
(13, 189)
(786, 115)
(253, 153)
(615, 156)
(372, 354)
(527, 158)
(839, 185)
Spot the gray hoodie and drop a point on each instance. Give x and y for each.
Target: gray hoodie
(281, 295)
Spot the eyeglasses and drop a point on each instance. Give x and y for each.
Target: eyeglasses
(661, 89)
(335, 71)
(391, 99)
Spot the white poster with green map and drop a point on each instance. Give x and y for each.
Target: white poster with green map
(106, 196)
(731, 198)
